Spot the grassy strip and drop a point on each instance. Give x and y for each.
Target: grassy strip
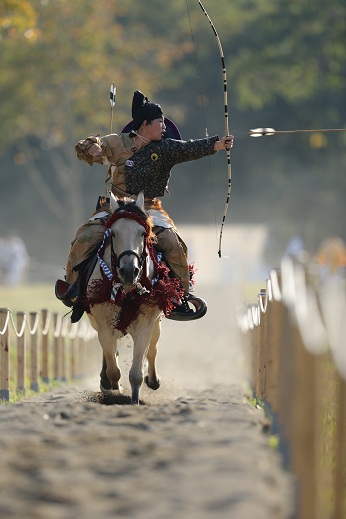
(30, 298)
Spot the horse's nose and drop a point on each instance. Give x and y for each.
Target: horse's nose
(128, 274)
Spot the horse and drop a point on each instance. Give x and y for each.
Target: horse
(129, 292)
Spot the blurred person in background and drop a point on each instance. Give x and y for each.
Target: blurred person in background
(331, 257)
(14, 260)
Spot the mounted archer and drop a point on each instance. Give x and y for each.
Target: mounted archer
(141, 159)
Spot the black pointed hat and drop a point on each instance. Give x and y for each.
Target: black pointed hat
(144, 110)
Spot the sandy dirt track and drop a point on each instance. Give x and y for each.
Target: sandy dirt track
(195, 450)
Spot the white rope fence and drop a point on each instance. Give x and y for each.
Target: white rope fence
(47, 348)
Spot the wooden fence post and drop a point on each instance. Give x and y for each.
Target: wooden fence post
(21, 353)
(262, 347)
(275, 320)
(45, 317)
(63, 350)
(34, 385)
(74, 351)
(56, 346)
(82, 348)
(4, 354)
(255, 332)
(273, 367)
(81, 357)
(253, 346)
(340, 455)
(303, 426)
(285, 379)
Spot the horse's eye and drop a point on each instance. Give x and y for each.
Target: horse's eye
(143, 234)
(113, 234)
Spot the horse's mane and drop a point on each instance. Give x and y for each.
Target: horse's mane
(136, 213)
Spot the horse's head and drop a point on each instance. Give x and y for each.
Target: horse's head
(130, 231)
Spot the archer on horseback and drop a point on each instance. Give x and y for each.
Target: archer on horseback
(140, 159)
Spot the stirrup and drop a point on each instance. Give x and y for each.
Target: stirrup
(66, 293)
(184, 312)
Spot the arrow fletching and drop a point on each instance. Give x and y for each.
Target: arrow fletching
(259, 132)
(112, 94)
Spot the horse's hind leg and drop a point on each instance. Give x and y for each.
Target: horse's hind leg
(152, 380)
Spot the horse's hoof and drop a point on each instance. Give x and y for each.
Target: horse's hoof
(107, 389)
(153, 386)
(105, 385)
(135, 398)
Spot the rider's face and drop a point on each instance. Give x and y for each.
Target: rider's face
(155, 129)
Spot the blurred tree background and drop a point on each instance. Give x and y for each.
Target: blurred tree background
(286, 65)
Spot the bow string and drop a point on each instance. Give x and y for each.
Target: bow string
(225, 98)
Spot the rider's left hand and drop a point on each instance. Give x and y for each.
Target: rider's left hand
(226, 143)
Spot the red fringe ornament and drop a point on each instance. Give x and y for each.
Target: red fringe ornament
(164, 292)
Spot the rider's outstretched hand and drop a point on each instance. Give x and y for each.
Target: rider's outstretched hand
(226, 143)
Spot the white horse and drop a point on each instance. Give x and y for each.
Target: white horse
(129, 292)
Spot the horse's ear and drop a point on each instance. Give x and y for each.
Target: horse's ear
(113, 203)
(140, 201)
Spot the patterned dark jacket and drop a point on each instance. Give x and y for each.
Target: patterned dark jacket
(149, 169)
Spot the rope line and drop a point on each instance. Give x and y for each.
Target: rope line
(3, 310)
(19, 333)
(45, 330)
(33, 329)
(82, 329)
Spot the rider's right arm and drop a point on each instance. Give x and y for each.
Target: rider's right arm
(96, 148)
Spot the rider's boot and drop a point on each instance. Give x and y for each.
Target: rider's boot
(71, 296)
(67, 293)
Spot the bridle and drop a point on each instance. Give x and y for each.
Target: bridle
(116, 259)
(121, 212)
(129, 253)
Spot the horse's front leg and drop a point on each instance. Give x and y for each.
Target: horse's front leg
(105, 383)
(110, 373)
(141, 335)
(152, 380)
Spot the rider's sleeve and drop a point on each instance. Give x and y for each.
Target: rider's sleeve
(184, 151)
(111, 145)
